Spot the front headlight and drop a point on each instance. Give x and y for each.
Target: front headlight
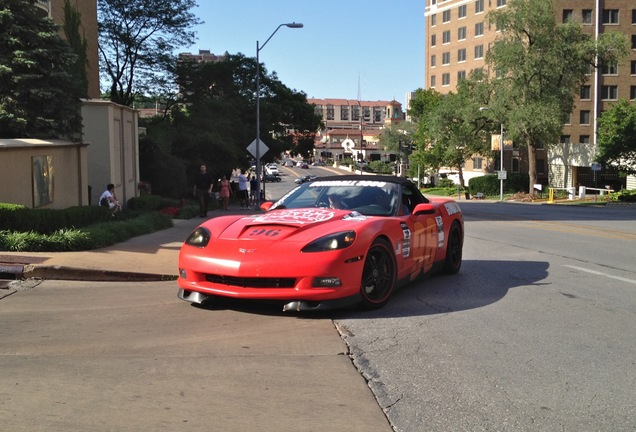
(331, 242)
(200, 237)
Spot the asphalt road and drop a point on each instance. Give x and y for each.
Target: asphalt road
(536, 333)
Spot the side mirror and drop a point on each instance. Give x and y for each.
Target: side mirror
(266, 205)
(424, 209)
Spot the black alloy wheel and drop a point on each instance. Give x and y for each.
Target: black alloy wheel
(454, 250)
(378, 275)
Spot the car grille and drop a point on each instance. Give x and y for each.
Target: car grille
(251, 282)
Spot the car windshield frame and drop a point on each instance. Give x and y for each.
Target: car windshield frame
(367, 197)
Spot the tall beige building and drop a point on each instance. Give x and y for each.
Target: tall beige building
(458, 37)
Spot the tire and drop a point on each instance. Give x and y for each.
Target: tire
(378, 275)
(453, 261)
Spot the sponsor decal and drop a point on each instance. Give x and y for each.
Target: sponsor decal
(452, 208)
(406, 245)
(371, 183)
(296, 216)
(440, 231)
(355, 216)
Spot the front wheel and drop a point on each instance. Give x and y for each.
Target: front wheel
(453, 250)
(378, 275)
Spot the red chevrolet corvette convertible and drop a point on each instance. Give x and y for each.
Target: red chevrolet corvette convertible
(332, 242)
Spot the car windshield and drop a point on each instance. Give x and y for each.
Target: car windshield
(368, 197)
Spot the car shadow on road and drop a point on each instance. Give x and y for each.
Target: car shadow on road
(478, 284)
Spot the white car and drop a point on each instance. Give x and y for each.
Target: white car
(272, 170)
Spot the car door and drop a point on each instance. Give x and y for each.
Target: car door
(423, 231)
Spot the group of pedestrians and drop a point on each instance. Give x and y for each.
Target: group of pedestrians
(204, 189)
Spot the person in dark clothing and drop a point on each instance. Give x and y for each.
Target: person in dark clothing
(203, 189)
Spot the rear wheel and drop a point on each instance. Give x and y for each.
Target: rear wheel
(454, 250)
(378, 275)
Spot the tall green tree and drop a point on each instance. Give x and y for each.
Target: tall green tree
(540, 66)
(72, 30)
(136, 42)
(216, 116)
(457, 129)
(39, 95)
(617, 137)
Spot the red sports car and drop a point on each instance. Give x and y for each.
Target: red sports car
(332, 242)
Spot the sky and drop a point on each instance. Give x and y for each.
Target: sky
(347, 49)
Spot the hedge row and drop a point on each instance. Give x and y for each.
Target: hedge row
(90, 237)
(46, 221)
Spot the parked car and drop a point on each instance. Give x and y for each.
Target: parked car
(352, 240)
(319, 163)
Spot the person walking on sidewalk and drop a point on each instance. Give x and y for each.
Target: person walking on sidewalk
(225, 193)
(243, 182)
(202, 189)
(253, 186)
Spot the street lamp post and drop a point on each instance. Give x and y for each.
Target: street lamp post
(501, 155)
(258, 108)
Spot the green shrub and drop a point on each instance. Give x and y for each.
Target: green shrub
(91, 237)
(489, 184)
(47, 221)
(148, 203)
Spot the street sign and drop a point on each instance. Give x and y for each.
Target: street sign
(502, 175)
(252, 148)
(596, 166)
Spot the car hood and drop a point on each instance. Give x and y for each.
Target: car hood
(292, 224)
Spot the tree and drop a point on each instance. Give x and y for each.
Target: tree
(540, 66)
(215, 118)
(39, 96)
(136, 42)
(78, 43)
(617, 137)
(457, 128)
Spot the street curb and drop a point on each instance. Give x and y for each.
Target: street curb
(80, 274)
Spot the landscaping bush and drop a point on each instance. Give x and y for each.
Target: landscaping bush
(489, 184)
(91, 237)
(46, 221)
(147, 203)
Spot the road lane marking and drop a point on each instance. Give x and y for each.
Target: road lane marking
(594, 272)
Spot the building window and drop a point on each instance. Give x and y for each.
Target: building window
(479, 29)
(462, 11)
(446, 16)
(568, 15)
(633, 67)
(433, 80)
(610, 16)
(584, 117)
(479, 51)
(584, 139)
(433, 40)
(433, 20)
(461, 55)
(609, 92)
(634, 42)
(632, 92)
(541, 166)
(446, 79)
(609, 69)
(330, 112)
(587, 16)
(565, 139)
(344, 112)
(433, 60)
(433, 2)
(569, 119)
(446, 37)
(461, 33)
(479, 6)
(633, 16)
(446, 58)
(377, 115)
(461, 75)
(501, 3)
(477, 163)
(586, 92)
(355, 113)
